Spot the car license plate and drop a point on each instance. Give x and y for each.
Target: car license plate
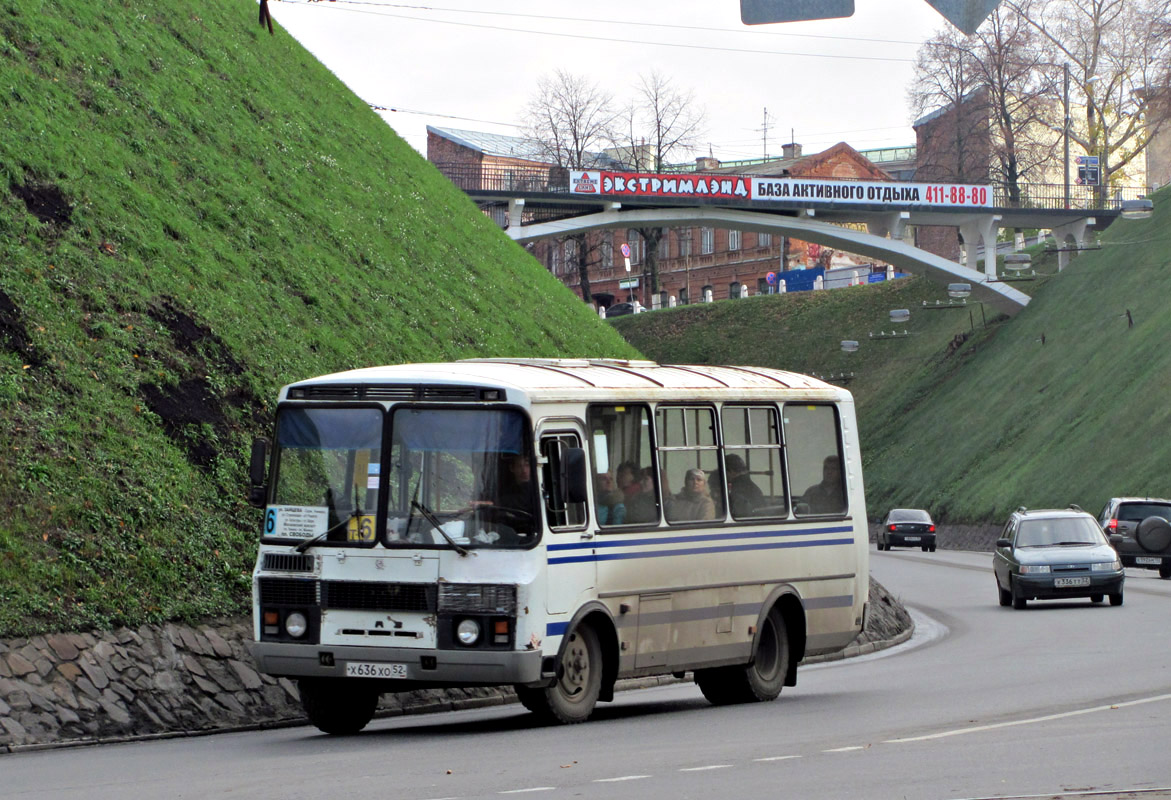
(910, 538)
(1066, 583)
(1147, 560)
(370, 669)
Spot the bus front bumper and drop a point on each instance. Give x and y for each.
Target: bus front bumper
(410, 666)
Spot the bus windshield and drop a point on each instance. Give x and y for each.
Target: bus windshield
(469, 470)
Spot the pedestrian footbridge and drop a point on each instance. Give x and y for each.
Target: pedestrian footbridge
(865, 218)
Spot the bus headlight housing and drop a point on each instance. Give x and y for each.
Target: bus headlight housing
(296, 625)
(467, 632)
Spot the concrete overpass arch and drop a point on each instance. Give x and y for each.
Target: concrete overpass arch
(893, 251)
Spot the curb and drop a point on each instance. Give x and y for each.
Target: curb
(505, 698)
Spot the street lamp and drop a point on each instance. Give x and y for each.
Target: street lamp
(900, 314)
(958, 290)
(849, 346)
(1017, 262)
(1138, 209)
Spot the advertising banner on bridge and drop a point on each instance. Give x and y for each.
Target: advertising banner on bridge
(812, 191)
(643, 184)
(806, 191)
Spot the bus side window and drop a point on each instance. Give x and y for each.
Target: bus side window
(753, 462)
(816, 469)
(692, 488)
(558, 513)
(622, 469)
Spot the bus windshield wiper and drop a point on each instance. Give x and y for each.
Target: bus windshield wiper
(437, 525)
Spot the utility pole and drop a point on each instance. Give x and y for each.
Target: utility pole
(764, 135)
(1065, 129)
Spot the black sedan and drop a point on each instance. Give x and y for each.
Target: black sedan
(907, 527)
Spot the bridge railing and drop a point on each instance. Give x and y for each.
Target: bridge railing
(534, 178)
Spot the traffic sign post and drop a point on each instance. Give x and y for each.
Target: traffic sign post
(1088, 171)
(626, 255)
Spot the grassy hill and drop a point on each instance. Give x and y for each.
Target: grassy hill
(193, 213)
(1064, 403)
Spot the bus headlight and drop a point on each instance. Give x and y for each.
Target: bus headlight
(468, 632)
(296, 624)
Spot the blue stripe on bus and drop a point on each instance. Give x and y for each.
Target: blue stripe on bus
(703, 537)
(695, 551)
(556, 628)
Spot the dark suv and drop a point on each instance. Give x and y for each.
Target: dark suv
(1142, 522)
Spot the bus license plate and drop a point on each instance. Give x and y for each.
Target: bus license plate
(370, 669)
(1147, 560)
(1065, 583)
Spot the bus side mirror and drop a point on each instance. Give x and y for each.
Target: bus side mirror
(258, 493)
(574, 468)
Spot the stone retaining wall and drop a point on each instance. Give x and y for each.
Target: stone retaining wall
(168, 680)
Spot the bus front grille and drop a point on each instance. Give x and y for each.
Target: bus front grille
(287, 592)
(364, 596)
(288, 562)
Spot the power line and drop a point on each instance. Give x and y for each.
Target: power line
(623, 23)
(612, 40)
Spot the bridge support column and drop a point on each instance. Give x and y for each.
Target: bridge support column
(980, 229)
(893, 225)
(516, 208)
(1069, 237)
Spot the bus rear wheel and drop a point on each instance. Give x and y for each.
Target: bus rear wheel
(579, 682)
(337, 708)
(759, 681)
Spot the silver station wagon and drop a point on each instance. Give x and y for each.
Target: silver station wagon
(1053, 555)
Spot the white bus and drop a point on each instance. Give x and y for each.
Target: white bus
(555, 525)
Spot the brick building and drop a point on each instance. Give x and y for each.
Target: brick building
(952, 145)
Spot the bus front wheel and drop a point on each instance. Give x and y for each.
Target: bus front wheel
(759, 681)
(337, 708)
(579, 682)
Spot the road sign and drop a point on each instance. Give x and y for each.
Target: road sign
(1089, 161)
(771, 278)
(626, 247)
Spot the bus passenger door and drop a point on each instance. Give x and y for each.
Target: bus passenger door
(571, 574)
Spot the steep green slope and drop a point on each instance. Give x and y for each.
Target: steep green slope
(194, 213)
(1064, 403)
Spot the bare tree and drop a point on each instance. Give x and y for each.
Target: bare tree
(660, 123)
(571, 121)
(1119, 56)
(1009, 63)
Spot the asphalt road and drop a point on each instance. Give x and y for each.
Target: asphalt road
(1062, 699)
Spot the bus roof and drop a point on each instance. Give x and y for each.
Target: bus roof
(553, 378)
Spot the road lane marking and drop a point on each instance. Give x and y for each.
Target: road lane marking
(623, 778)
(1047, 718)
(776, 758)
(710, 766)
(845, 749)
(533, 789)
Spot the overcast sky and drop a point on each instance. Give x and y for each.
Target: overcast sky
(474, 64)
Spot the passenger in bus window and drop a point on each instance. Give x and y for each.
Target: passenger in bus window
(627, 479)
(609, 505)
(827, 497)
(641, 505)
(694, 501)
(744, 495)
